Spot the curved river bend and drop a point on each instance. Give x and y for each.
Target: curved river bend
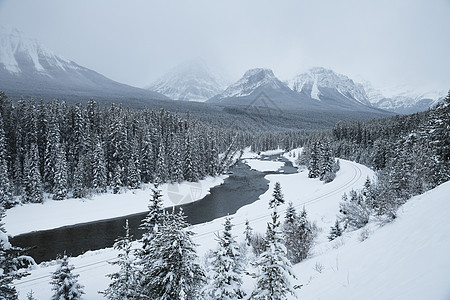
(243, 187)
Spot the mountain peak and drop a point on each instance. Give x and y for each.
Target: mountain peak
(252, 80)
(317, 81)
(18, 52)
(191, 80)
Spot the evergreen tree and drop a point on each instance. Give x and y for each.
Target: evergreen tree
(154, 219)
(32, 180)
(335, 231)
(248, 232)
(60, 176)
(291, 214)
(99, 174)
(117, 179)
(123, 282)
(224, 280)
(313, 163)
(65, 283)
(277, 195)
(171, 270)
(8, 264)
(6, 198)
(79, 190)
(275, 270)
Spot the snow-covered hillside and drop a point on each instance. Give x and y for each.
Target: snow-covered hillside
(191, 81)
(317, 81)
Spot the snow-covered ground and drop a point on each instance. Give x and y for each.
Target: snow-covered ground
(407, 259)
(53, 214)
(264, 165)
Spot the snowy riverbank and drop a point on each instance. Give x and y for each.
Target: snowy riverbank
(53, 214)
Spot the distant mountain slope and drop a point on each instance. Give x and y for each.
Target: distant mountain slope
(402, 99)
(30, 70)
(191, 81)
(322, 91)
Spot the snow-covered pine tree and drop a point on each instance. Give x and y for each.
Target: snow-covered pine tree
(162, 173)
(277, 196)
(154, 219)
(78, 187)
(313, 163)
(225, 279)
(190, 170)
(307, 233)
(6, 197)
(123, 285)
(275, 270)
(335, 231)
(99, 174)
(7, 269)
(248, 232)
(32, 177)
(292, 235)
(64, 283)
(117, 179)
(60, 175)
(171, 270)
(134, 174)
(291, 214)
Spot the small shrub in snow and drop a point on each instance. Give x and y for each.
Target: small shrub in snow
(258, 243)
(355, 212)
(338, 243)
(365, 233)
(335, 231)
(319, 267)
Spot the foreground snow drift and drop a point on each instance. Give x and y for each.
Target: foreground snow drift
(408, 259)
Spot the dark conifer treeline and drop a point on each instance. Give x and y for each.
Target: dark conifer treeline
(62, 150)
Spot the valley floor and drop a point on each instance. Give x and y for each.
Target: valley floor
(407, 259)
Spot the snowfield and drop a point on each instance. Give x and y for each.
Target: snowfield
(407, 259)
(53, 214)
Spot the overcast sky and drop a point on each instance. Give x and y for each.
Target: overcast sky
(387, 42)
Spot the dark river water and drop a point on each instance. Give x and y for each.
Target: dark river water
(242, 187)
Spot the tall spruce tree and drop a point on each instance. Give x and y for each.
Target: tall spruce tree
(225, 279)
(6, 197)
(32, 177)
(277, 196)
(123, 285)
(171, 270)
(275, 270)
(64, 283)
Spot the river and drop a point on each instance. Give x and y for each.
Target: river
(242, 187)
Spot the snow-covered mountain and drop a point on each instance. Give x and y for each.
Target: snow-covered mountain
(318, 90)
(29, 69)
(191, 81)
(260, 87)
(320, 83)
(401, 99)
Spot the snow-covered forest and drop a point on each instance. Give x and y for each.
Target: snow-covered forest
(59, 151)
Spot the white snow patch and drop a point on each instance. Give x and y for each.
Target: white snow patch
(264, 165)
